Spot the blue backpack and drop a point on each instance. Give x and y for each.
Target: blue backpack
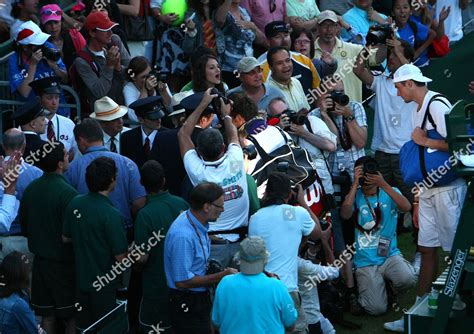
(424, 166)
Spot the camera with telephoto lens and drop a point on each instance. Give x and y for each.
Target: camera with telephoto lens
(295, 117)
(50, 54)
(370, 166)
(338, 96)
(378, 34)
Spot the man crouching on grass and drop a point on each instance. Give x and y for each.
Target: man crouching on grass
(374, 206)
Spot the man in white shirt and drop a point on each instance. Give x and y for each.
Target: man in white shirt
(436, 210)
(212, 161)
(110, 116)
(279, 60)
(58, 128)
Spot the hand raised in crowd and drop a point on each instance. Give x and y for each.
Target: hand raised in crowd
(9, 173)
(300, 195)
(169, 18)
(150, 83)
(344, 111)
(375, 179)
(36, 57)
(225, 108)
(325, 103)
(327, 58)
(443, 15)
(284, 121)
(208, 97)
(419, 136)
(112, 57)
(358, 174)
(373, 15)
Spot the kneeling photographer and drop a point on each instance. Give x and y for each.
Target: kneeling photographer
(373, 205)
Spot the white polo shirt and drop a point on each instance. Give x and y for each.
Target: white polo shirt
(63, 131)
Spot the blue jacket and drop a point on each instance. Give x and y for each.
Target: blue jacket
(16, 317)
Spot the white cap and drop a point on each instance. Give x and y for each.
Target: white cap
(30, 33)
(175, 102)
(409, 72)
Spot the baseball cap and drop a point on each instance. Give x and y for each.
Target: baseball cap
(99, 21)
(275, 27)
(30, 33)
(327, 15)
(409, 72)
(253, 255)
(247, 64)
(50, 13)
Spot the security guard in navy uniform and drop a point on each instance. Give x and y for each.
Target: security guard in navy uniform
(31, 117)
(58, 128)
(137, 143)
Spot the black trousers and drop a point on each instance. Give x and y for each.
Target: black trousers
(190, 312)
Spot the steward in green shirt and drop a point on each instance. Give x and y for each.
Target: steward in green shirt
(151, 226)
(95, 228)
(41, 214)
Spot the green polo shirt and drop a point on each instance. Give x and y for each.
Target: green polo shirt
(42, 211)
(96, 229)
(156, 216)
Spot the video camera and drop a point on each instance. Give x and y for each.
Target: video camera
(378, 34)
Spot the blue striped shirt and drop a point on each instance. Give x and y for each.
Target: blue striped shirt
(185, 256)
(127, 188)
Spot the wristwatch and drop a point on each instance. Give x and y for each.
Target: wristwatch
(349, 118)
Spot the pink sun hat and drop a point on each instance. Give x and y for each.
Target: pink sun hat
(50, 13)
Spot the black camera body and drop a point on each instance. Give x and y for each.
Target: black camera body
(370, 166)
(295, 117)
(51, 54)
(338, 96)
(378, 34)
(250, 151)
(163, 77)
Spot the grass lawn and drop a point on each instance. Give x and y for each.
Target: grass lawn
(374, 324)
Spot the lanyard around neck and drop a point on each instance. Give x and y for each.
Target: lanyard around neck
(197, 233)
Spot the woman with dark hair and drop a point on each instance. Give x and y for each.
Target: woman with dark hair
(206, 73)
(67, 41)
(15, 313)
(141, 83)
(302, 41)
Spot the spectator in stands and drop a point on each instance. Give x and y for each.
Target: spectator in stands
(41, 216)
(250, 74)
(453, 23)
(128, 196)
(59, 128)
(206, 73)
(110, 116)
(362, 16)
(14, 184)
(302, 14)
(138, 142)
(22, 11)
(134, 8)
(34, 58)
(101, 65)
(142, 83)
(277, 221)
(417, 34)
(68, 41)
(377, 259)
(278, 34)
(15, 313)
(6, 21)
(345, 53)
(187, 254)
(265, 11)
(94, 227)
(31, 119)
(302, 41)
(234, 37)
(279, 60)
(155, 219)
(338, 6)
(436, 209)
(271, 312)
(211, 161)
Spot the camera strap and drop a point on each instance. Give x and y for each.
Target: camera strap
(197, 234)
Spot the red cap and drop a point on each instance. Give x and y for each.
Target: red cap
(99, 21)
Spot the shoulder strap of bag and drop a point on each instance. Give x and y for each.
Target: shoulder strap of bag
(428, 115)
(263, 154)
(88, 58)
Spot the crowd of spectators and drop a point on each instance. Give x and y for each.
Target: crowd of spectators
(152, 192)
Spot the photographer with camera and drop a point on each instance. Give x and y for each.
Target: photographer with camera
(362, 16)
(211, 160)
(373, 205)
(34, 58)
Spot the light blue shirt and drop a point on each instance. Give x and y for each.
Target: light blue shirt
(16, 316)
(252, 304)
(366, 243)
(127, 188)
(27, 174)
(359, 21)
(187, 250)
(282, 227)
(270, 94)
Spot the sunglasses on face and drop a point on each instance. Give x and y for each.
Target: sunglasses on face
(49, 12)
